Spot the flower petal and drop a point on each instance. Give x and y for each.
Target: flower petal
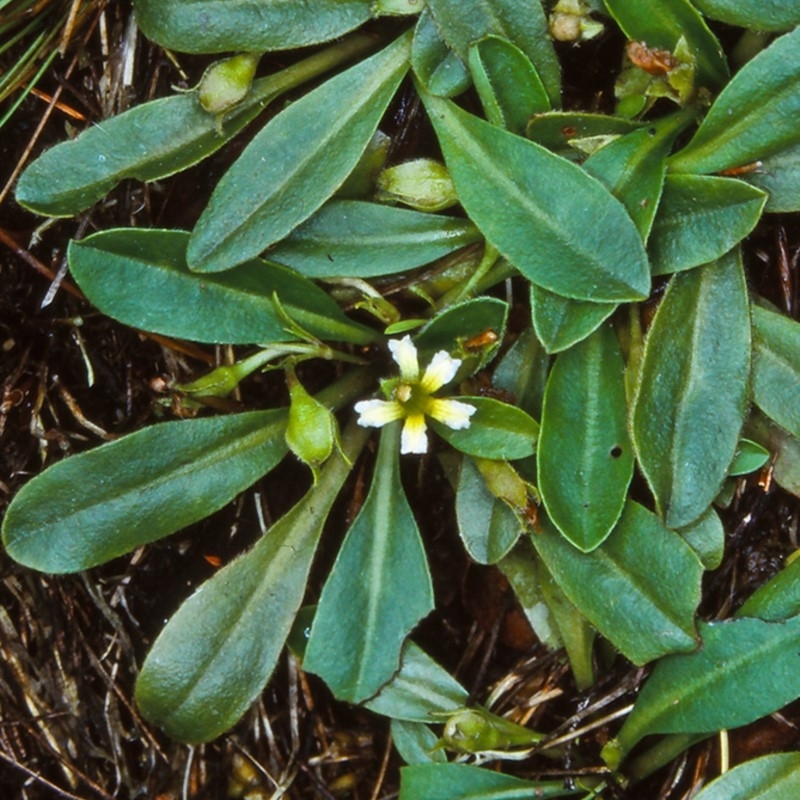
(377, 413)
(414, 439)
(441, 370)
(454, 414)
(405, 355)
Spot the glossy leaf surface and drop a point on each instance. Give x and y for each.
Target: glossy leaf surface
(216, 26)
(776, 367)
(760, 15)
(652, 576)
(531, 205)
(296, 162)
(217, 652)
(163, 296)
(153, 140)
(92, 507)
(772, 777)
(690, 402)
(661, 23)
(745, 670)
(754, 116)
(357, 239)
(699, 219)
(378, 590)
(507, 83)
(585, 460)
(497, 430)
(464, 782)
(522, 23)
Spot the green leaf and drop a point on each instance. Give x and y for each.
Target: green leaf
(699, 219)
(525, 201)
(216, 26)
(378, 590)
(420, 688)
(556, 129)
(749, 457)
(488, 527)
(753, 117)
(760, 15)
(296, 162)
(435, 65)
(772, 777)
(690, 401)
(464, 782)
(416, 743)
(95, 506)
(163, 296)
(453, 328)
(661, 23)
(521, 23)
(561, 322)
(584, 459)
(153, 140)
(507, 83)
(745, 670)
(706, 537)
(522, 370)
(776, 367)
(784, 447)
(218, 651)
(498, 431)
(633, 167)
(779, 598)
(356, 239)
(779, 176)
(640, 588)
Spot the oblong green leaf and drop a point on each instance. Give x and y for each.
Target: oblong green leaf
(415, 742)
(753, 117)
(700, 217)
(556, 129)
(648, 579)
(779, 176)
(772, 777)
(216, 654)
(153, 140)
(760, 15)
(497, 430)
(378, 590)
(778, 599)
(745, 670)
(706, 537)
(161, 294)
(216, 26)
(584, 458)
(420, 688)
(95, 506)
(690, 401)
(351, 238)
(522, 23)
(776, 367)
(561, 322)
(750, 456)
(507, 83)
(488, 527)
(661, 23)
(296, 162)
(530, 203)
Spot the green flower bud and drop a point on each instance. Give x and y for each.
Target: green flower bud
(227, 82)
(423, 184)
(311, 433)
(475, 730)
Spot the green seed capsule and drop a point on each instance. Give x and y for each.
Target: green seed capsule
(227, 82)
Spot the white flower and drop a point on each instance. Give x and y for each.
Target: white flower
(410, 397)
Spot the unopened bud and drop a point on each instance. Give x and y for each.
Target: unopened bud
(227, 82)
(423, 184)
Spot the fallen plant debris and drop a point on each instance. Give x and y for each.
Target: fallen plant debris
(551, 252)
